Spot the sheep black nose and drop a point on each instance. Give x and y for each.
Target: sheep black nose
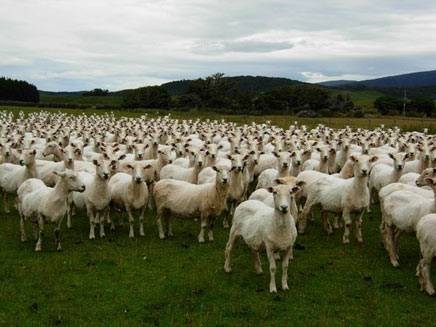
(83, 188)
(170, 161)
(200, 163)
(285, 165)
(284, 209)
(22, 162)
(105, 176)
(364, 171)
(138, 179)
(225, 180)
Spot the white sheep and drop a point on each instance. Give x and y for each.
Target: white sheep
(267, 177)
(179, 198)
(43, 204)
(12, 176)
(261, 226)
(185, 174)
(344, 196)
(129, 192)
(426, 234)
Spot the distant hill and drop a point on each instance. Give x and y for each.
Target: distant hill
(243, 83)
(337, 83)
(419, 79)
(61, 93)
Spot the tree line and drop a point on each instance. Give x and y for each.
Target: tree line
(15, 90)
(218, 93)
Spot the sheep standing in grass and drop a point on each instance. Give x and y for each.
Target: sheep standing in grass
(12, 176)
(344, 196)
(261, 226)
(426, 234)
(44, 204)
(129, 192)
(180, 198)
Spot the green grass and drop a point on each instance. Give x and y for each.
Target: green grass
(178, 282)
(363, 99)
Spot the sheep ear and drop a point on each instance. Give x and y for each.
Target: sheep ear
(391, 155)
(434, 170)
(301, 183)
(33, 152)
(95, 162)
(314, 143)
(247, 156)
(275, 154)
(214, 168)
(406, 156)
(129, 166)
(220, 147)
(373, 159)
(332, 150)
(113, 162)
(295, 189)
(429, 181)
(270, 189)
(148, 166)
(318, 149)
(229, 156)
(105, 155)
(278, 181)
(353, 158)
(252, 152)
(292, 154)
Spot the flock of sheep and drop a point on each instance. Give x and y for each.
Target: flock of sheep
(256, 176)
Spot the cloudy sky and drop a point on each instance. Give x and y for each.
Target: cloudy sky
(83, 44)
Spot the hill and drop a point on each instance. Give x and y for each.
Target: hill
(418, 79)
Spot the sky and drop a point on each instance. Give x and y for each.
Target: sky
(70, 45)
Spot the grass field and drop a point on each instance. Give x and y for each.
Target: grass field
(177, 282)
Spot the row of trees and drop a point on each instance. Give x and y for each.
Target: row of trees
(387, 105)
(96, 92)
(217, 93)
(14, 90)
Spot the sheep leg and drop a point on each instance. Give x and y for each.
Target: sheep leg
(141, 221)
(285, 264)
(41, 222)
(159, 223)
(272, 269)
(257, 263)
(35, 230)
(225, 221)
(397, 234)
(390, 247)
(228, 252)
(211, 226)
(359, 219)
(203, 220)
(424, 277)
(6, 200)
(69, 214)
(23, 230)
(102, 216)
(150, 198)
(302, 221)
(326, 222)
(347, 220)
(168, 227)
(110, 217)
(57, 237)
(120, 220)
(91, 223)
(131, 231)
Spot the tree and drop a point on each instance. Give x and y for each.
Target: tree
(422, 105)
(213, 91)
(148, 97)
(96, 92)
(388, 105)
(15, 90)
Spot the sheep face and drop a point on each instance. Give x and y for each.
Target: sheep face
(323, 152)
(282, 197)
(297, 158)
(222, 175)
(199, 158)
(237, 162)
(284, 158)
(139, 150)
(166, 155)
(103, 168)
(27, 157)
(362, 164)
(427, 173)
(50, 148)
(399, 159)
(73, 181)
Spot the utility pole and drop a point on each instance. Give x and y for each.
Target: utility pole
(404, 104)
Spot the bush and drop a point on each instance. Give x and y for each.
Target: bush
(358, 114)
(307, 114)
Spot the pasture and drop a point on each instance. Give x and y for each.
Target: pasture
(146, 281)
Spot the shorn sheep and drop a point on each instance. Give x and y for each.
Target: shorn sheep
(43, 204)
(426, 234)
(263, 227)
(344, 196)
(129, 192)
(206, 201)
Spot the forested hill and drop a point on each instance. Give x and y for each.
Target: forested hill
(243, 83)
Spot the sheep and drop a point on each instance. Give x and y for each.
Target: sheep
(206, 201)
(12, 176)
(418, 165)
(341, 195)
(321, 165)
(129, 192)
(43, 204)
(266, 197)
(426, 234)
(402, 211)
(261, 226)
(382, 175)
(185, 174)
(267, 177)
